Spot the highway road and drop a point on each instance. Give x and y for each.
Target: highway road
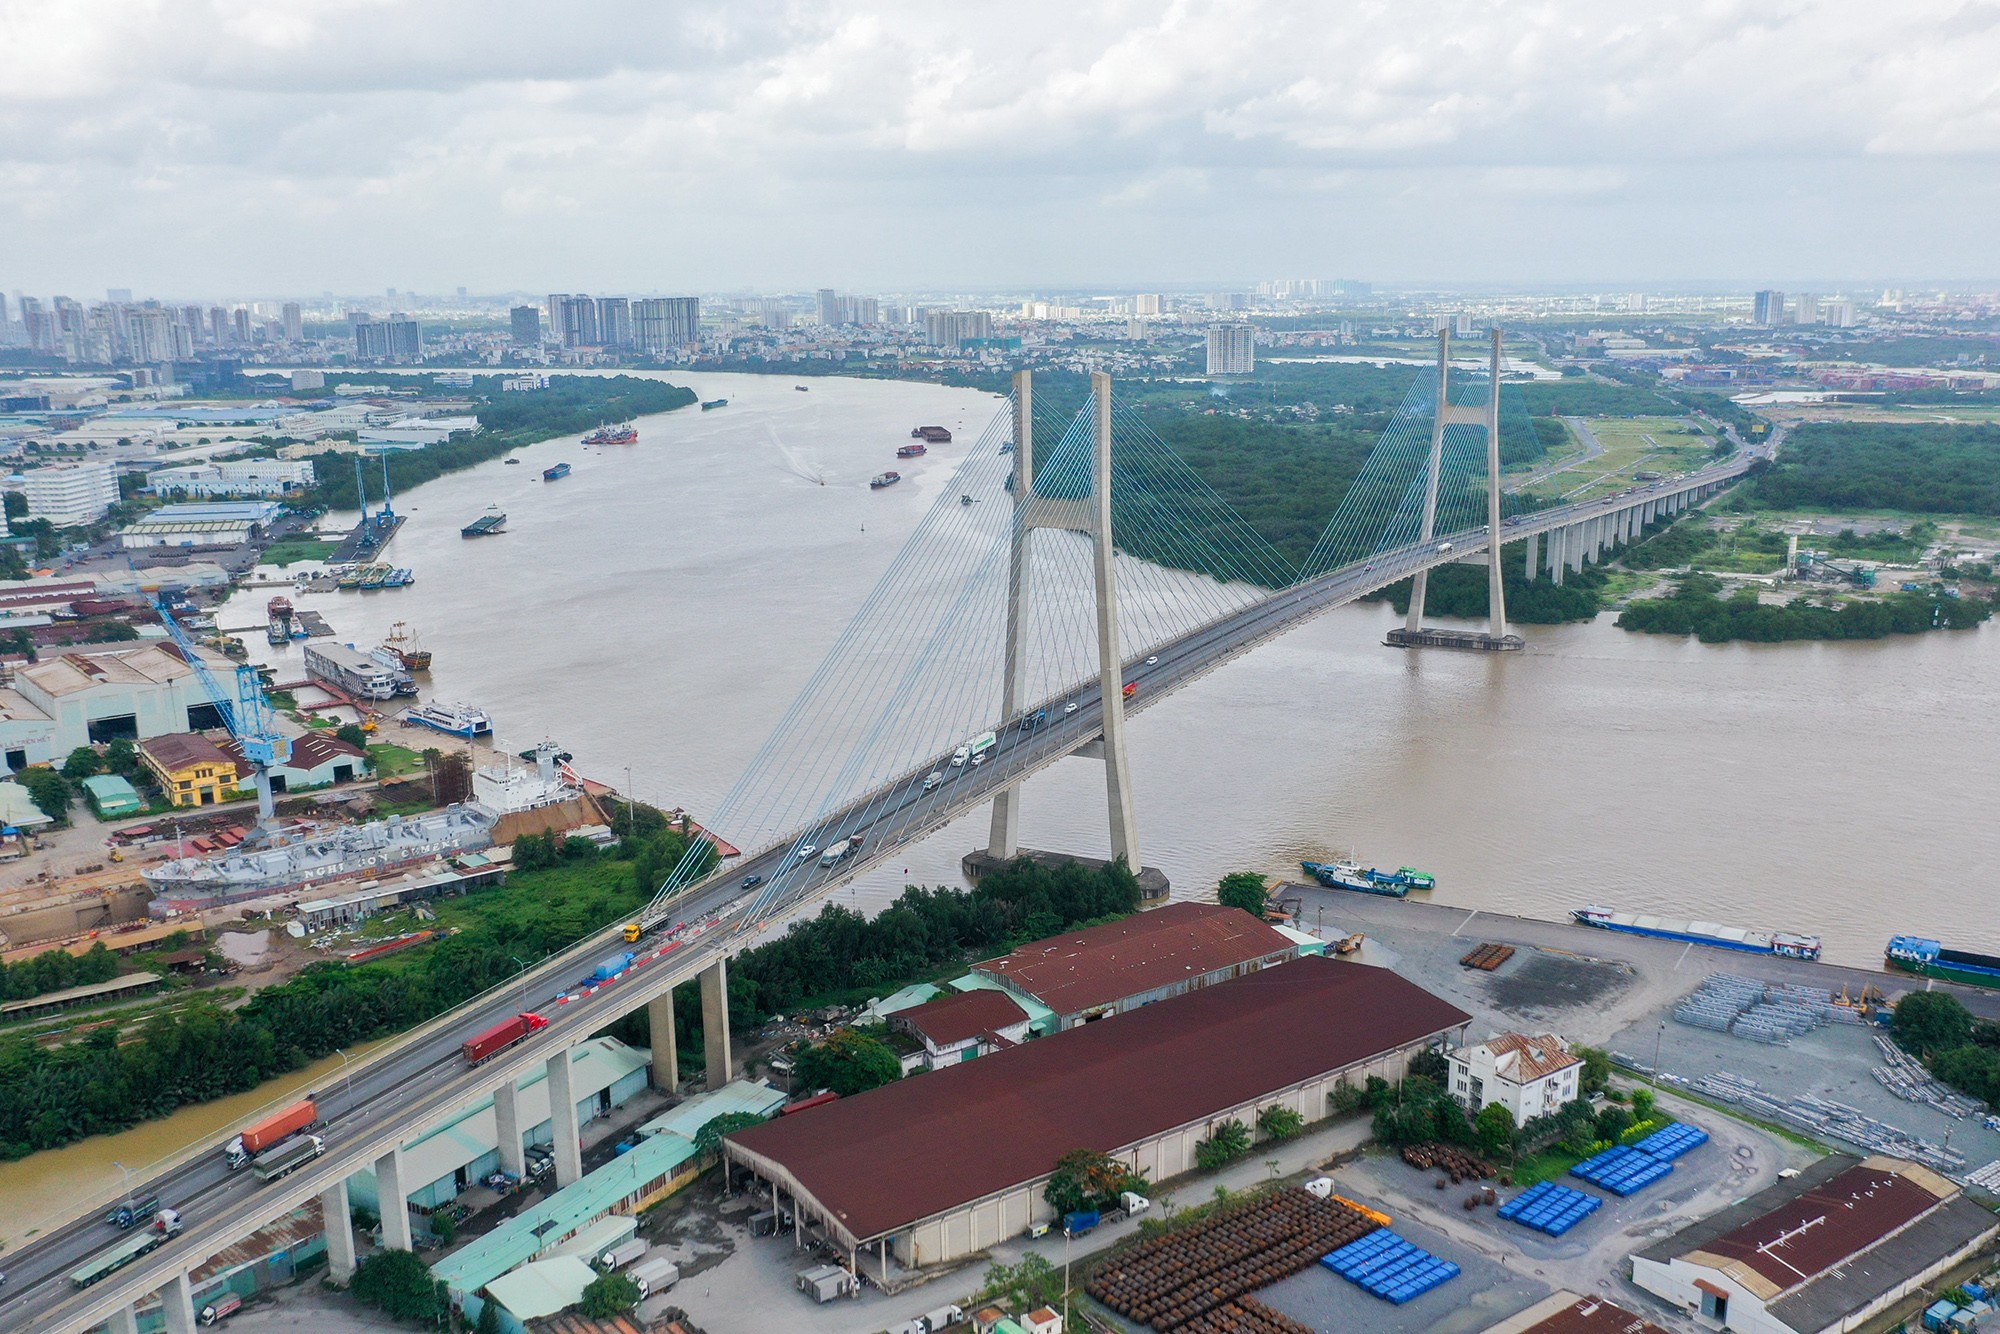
(422, 1080)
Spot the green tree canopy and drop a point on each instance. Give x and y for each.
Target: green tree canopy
(708, 1140)
(400, 1285)
(1495, 1128)
(83, 762)
(1245, 890)
(848, 1062)
(609, 1297)
(1088, 1179)
(1931, 1021)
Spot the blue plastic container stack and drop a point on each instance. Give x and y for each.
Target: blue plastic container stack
(1383, 1265)
(1672, 1142)
(1622, 1170)
(1547, 1207)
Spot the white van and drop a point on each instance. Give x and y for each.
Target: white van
(979, 745)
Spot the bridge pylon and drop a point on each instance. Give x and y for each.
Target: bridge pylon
(1090, 516)
(1487, 418)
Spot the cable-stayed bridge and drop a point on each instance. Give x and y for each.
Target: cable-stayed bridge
(1074, 572)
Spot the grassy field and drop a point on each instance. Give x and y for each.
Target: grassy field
(1631, 445)
(294, 549)
(393, 761)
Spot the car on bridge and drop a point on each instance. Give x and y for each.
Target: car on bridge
(932, 779)
(808, 850)
(750, 882)
(1131, 689)
(1071, 707)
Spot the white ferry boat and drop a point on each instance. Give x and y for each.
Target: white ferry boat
(455, 719)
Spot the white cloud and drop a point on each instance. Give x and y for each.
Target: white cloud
(362, 142)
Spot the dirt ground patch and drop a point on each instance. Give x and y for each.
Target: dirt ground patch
(1546, 982)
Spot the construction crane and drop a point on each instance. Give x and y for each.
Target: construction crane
(247, 715)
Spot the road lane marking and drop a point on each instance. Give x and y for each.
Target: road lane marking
(1467, 922)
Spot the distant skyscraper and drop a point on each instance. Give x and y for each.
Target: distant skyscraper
(577, 322)
(295, 323)
(829, 306)
(218, 325)
(406, 341)
(955, 328)
(527, 323)
(614, 321)
(1838, 313)
(552, 309)
(1770, 307)
(371, 340)
(773, 315)
(663, 324)
(1232, 349)
(240, 321)
(1805, 308)
(1148, 303)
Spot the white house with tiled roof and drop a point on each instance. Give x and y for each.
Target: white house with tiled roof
(1529, 1076)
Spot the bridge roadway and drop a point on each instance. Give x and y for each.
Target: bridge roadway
(421, 1081)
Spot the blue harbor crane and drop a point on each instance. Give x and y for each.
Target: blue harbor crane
(247, 714)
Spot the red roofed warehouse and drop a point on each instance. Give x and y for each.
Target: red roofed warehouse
(960, 1026)
(1823, 1251)
(951, 1162)
(1137, 960)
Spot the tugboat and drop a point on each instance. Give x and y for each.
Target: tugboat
(882, 479)
(802, 389)
(912, 452)
(402, 641)
(278, 629)
(555, 474)
(624, 434)
(1348, 875)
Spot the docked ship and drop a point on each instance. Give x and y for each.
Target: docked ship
(400, 682)
(315, 853)
(912, 451)
(278, 629)
(352, 672)
(1785, 944)
(555, 474)
(1347, 875)
(453, 719)
(402, 641)
(714, 403)
(625, 433)
(484, 526)
(882, 479)
(1929, 958)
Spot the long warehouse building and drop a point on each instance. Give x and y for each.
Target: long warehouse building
(944, 1165)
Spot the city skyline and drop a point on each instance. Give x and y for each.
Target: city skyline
(902, 149)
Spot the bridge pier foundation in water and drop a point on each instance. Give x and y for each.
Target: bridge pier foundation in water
(1153, 885)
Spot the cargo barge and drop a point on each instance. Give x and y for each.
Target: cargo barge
(1784, 944)
(555, 474)
(714, 403)
(484, 526)
(1928, 958)
(881, 480)
(912, 452)
(626, 434)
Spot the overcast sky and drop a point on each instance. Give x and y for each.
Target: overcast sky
(257, 147)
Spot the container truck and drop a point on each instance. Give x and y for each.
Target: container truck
(654, 1276)
(135, 1210)
(288, 1157)
(609, 968)
(165, 1225)
(841, 851)
(501, 1036)
(617, 1257)
(979, 745)
(271, 1131)
(221, 1308)
(1081, 1221)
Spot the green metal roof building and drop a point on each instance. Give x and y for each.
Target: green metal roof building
(112, 797)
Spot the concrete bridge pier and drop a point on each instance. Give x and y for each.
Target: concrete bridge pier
(715, 1022)
(392, 1201)
(1529, 566)
(124, 1320)
(507, 1128)
(666, 1042)
(177, 1305)
(568, 1142)
(337, 1217)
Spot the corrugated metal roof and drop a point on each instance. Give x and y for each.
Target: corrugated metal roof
(889, 1157)
(1079, 970)
(965, 1014)
(1827, 1223)
(686, 1119)
(1567, 1313)
(544, 1287)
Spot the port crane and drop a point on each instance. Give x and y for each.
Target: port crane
(246, 714)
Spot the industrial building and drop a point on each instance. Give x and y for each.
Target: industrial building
(208, 523)
(1081, 976)
(960, 1026)
(1819, 1253)
(232, 477)
(1529, 1076)
(1568, 1313)
(80, 698)
(190, 769)
(316, 759)
(942, 1166)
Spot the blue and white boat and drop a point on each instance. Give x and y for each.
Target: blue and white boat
(453, 719)
(1349, 875)
(1786, 944)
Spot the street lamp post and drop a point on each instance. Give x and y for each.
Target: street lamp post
(342, 1054)
(520, 971)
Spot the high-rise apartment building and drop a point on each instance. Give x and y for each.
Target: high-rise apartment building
(666, 323)
(955, 328)
(1769, 307)
(1837, 313)
(406, 338)
(527, 325)
(218, 326)
(552, 308)
(239, 320)
(1149, 303)
(773, 315)
(614, 321)
(1232, 349)
(67, 494)
(828, 303)
(295, 323)
(576, 321)
(1805, 308)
